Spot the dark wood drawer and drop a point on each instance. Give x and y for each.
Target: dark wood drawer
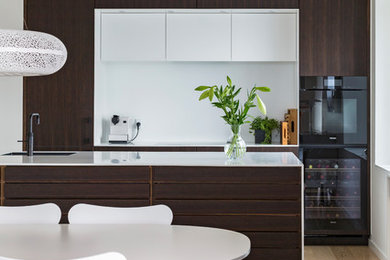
(275, 239)
(212, 207)
(65, 205)
(274, 253)
(145, 3)
(227, 191)
(80, 173)
(77, 191)
(243, 223)
(247, 4)
(227, 174)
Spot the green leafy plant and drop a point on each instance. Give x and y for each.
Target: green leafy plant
(267, 125)
(235, 114)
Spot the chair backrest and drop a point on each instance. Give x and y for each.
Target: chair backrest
(91, 214)
(105, 256)
(48, 213)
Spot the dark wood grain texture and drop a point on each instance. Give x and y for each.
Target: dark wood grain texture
(243, 223)
(262, 202)
(334, 38)
(145, 3)
(76, 190)
(64, 99)
(226, 191)
(247, 4)
(226, 207)
(66, 204)
(274, 239)
(77, 174)
(276, 175)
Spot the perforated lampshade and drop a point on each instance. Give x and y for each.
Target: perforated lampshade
(30, 53)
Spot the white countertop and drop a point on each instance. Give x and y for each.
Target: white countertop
(213, 159)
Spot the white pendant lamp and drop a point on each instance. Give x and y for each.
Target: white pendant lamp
(30, 53)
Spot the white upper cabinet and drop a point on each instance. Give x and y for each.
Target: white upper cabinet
(264, 37)
(133, 36)
(199, 36)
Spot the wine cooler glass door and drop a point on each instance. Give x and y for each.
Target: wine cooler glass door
(335, 190)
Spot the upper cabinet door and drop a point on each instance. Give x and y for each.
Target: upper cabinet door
(199, 37)
(264, 37)
(334, 38)
(132, 37)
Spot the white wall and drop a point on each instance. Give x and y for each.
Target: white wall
(380, 199)
(381, 80)
(11, 88)
(161, 95)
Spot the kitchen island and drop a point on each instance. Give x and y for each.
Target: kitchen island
(260, 196)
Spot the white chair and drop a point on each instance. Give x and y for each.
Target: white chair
(48, 213)
(105, 256)
(91, 214)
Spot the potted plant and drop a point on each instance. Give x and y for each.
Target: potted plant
(235, 115)
(262, 129)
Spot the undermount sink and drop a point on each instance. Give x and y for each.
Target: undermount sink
(39, 154)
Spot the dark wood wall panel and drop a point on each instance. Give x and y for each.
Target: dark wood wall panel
(247, 4)
(334, 38)
(64, 99)
(145, 3)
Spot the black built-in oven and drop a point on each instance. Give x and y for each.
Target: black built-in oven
(333, 110)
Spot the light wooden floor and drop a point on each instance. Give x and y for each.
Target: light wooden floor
(339, 253)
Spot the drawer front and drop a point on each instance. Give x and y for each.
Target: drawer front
(248, 4)
(274, 253)
(65, 205)
(243, 223)
(227, 174)
(226, 191)
(275, 239)
(213, 207)
(70, 173)
(76, 191)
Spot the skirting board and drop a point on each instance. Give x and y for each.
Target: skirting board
(376, 250)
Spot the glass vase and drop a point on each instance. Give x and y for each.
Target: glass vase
(235, 147)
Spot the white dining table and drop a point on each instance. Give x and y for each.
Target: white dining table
(140, 242)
